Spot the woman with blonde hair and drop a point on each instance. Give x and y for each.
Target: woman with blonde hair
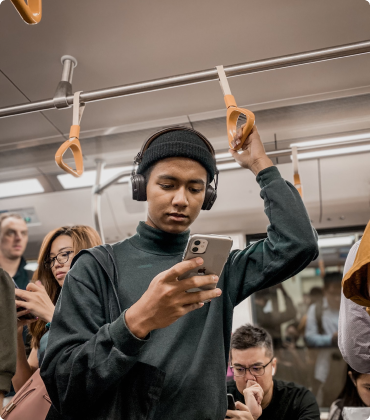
(39, 299)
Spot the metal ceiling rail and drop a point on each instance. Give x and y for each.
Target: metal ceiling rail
(315, 56)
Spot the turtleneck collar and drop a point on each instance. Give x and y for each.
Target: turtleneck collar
(156, 241)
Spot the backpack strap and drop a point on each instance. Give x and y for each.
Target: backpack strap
(104, 255)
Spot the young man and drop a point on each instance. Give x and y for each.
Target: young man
(254, 365)
(13, 242)
(167, 353)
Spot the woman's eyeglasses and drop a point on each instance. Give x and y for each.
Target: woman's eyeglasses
(62, 258)
(254, 370)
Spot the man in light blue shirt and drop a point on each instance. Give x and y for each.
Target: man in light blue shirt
(322, 334)
(322, 317)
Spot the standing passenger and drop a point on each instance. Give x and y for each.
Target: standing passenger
(57, 251)
(165, 356)
(13, 242)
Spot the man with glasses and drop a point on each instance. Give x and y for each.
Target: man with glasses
(254, 365)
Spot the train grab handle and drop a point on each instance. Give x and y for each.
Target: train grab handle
(73, 142)
(233, 113)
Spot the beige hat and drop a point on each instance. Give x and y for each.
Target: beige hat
(355, 282)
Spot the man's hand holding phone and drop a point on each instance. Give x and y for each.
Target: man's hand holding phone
(166, 299)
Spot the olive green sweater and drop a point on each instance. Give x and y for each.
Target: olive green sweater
(8, 331)
(85, 358)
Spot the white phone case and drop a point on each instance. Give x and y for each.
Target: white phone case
(214, 255)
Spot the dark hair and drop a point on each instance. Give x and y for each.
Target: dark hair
(248, 336)
(349, 396)
(83, 237)
(332, 278)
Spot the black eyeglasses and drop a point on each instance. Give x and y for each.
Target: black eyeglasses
(62, 258)
(254, 370)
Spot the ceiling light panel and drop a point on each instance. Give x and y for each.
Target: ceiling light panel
(20, 187)
(336, 241)
(332, 140)
(87, 179)
(334, 152)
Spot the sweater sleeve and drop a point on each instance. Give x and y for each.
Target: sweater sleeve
(291, 242)
(85, 355)
(8, 331)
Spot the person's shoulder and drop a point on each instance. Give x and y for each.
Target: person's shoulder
(291, 387)
(5, 279)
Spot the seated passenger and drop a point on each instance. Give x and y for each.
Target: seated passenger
(355, 393)
(166, 353)
(252, 358)
(57, 251)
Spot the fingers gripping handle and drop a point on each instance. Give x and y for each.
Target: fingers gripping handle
(233, 113)
(73, 143)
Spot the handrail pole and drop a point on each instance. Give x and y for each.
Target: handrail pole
(291, 60)
(96, 200)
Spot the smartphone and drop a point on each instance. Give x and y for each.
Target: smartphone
(230, 402)
(214, 250)
(27, 316)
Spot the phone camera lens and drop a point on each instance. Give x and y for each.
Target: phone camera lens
(197, 243)
(195, 249)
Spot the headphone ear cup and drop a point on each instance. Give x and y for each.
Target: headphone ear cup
(138, 187)
(210, 198)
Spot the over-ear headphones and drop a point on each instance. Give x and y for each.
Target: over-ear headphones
(138, 181)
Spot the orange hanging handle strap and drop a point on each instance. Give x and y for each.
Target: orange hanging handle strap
(31, 13)
(73, 143)
(233, 113)
(296, 177)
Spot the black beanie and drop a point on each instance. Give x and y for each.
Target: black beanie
(178, 143)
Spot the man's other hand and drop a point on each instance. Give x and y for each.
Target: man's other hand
(253, 396)
(253, 155)
(241, 413)
(166, 299)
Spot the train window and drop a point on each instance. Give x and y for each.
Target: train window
(302, 317)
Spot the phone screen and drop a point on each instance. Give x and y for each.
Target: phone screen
(230, 402)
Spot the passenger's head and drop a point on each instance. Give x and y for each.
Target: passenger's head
(13, 235)
(332, 289)
(356, 391)
(177, 166)
(316, 294)
(57, 251)
(251, 347)
(262, 297)
(292, 333)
